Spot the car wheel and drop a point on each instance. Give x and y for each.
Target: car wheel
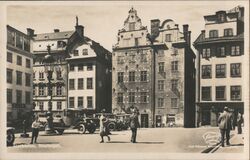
(60, 131)
(111, 126)
(82, 129)
(10, 138)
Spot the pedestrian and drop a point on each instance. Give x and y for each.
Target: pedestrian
(239, 122)
(104, 131)
(134, 124)
(35, 130)
(225, 126)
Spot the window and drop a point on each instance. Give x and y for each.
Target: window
(71, 102)
(174, 84)
(161, 85)
(34, 75)
(132, 58)
(235, 50)
(220, 70)
(80, 83)
(41, 91)
(71, 84)
(41, 107)
(220, 93)
(132, 76)
(131, 97)
(34, 91)
(235, 93)
(27, 97)
(18, 78)
(58, 74)
(221, 52)
(85, 52)
(18, 96)
(19, 41)
(206, 71)
(168, 38)
(41, 75)
(89, 102)
(213, 34)
(26, 45)
(59, 89)
(76, 53)
(160, 102)
(120, 98)
(132, 26)
(143, 57)
(236, 70)
(143, 97)
(9, 95)
(174, 103)
(27, 79)
(120, 59)
(206, 53)
(143, 76)
(11, 37)
(59, 105)
(27, 63)
(9, 75)
(89, 83)
(221, 17)
(19, 60)
(174, 66)
(136, 41)
(80, 67)
(161, 67)
(89, 67)
(206, 93)
(9, 57)
(72, 67)
(80, 102)
(228, 32)
(120, 77)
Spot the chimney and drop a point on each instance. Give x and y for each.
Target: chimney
(56, 30)
(80, 30)
(155, 24)
(187, 34)
(30, 32)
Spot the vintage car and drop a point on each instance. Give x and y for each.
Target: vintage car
(72, 119)
(10, 138)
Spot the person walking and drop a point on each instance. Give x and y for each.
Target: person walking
(35, 130)
(225, 126)
(104, 131)
(134, 124)
(239, 122)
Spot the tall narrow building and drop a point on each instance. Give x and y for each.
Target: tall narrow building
(154, 73)
(220, 53)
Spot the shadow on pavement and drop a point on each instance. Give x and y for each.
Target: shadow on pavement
(118, 142)
(136, 142)
(240, 144)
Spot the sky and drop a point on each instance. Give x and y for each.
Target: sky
(102, 20)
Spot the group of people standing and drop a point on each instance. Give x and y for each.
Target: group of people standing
(133, 124)
(225, 125)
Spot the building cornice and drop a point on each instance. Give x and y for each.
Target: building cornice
(19, 51)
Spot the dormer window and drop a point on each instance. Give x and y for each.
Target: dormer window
(132, 26)
(213, 34)
(228, 32)
(221, 17)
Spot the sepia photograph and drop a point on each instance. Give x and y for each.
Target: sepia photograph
(124, 80)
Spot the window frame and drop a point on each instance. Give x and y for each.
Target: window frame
(219, 70)
(209, 98)
(217, 94)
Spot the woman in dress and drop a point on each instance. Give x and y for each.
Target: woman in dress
(103, 127)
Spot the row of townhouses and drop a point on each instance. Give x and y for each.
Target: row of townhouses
(156, 72)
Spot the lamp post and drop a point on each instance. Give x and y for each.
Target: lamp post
(49, 69)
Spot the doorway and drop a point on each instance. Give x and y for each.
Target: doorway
(144, 120)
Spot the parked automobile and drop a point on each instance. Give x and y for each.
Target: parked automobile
(10, 138)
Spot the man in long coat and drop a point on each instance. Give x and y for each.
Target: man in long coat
(225, 126)
(134, 124)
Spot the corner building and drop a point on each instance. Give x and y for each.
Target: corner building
(220, 53)
(144, 68)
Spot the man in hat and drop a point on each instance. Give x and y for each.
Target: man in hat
(134, 124)
(225, 126)
(104, 131)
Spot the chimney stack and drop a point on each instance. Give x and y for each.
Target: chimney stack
(187, 34)
(155, 24)
(79, 28)
(56, 30)
(30, 32)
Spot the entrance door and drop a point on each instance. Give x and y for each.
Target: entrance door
(205, 117)
(158, 121)
(144, 120)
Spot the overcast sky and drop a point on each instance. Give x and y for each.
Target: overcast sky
(102, 20)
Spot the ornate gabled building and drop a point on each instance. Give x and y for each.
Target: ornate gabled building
(220, 54)
(154, 72)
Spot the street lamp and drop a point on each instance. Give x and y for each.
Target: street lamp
(49, 69)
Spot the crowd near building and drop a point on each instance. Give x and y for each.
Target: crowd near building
(220, 56)
(151, 71)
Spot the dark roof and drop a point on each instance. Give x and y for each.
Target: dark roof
(54, 35)
(201, 39)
